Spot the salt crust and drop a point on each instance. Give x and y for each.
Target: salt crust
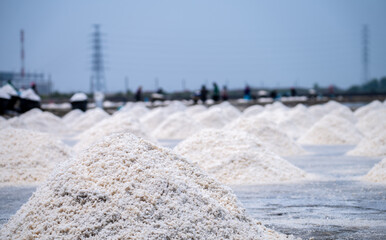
(117, 123)
(269, 134)
(236, 157)
(331, 130)
(377, 173)
(371, 146)
(27, 157)
(88, 119)
(177, 126)
(127, 188)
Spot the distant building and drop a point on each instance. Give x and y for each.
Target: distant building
(43, 85)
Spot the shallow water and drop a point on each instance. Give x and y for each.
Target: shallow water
(338, 206)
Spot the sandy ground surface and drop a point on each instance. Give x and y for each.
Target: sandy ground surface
(338, 206)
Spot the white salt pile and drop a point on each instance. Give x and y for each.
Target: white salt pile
(78, 97)
(117, 123)
(30, 95)
(177, 126)
(236, 157)
(377, 173)
(230, 111)
(374, 105)
(213, 118)
(296, 121)
(4, 94)
(253, 110)
(128, 188)
(331, 130)
(136, 111)
(28, 157)
(72, 116)
(3, 122)
(371, 146)
(344, 112)
(196, 109)
(36, 119)
(373, 122)
(269, 134)
(88, 119)
(9, 90)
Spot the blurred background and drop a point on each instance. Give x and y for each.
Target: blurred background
(177, 46)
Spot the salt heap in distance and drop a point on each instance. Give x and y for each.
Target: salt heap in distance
(377, 173)
(28, 157)
(331, 129)
(127, 188)
(237, 158)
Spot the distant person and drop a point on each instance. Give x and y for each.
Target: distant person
(293, 92)
(33, 86)
(273, 94)
(203, 94)
(224, 93)
(138, 94)
(216, 92)
(196, 96)
(247, 92)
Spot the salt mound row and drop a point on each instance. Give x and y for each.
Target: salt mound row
(117, 123)
(296, 122)
(72, 116)
(88, 119)
(28, 157)
(371, 146)
(331, 130)
(373, 122)
(36, 119)
(374, 105)
(177, 126)
(127, 188)
(236, 157)
(377, 173)
(272, 138)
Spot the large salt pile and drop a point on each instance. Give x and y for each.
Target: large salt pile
(196, 109)
(117, 123)
(269, 134)
(218, 116)
(374, 146)
(373, 122)
(177, 126)
(27, 157)
(331, 130)
(344, 112)
(127, 188)
(236, 157)
(253, 110)
(374, 105)
(377, 173)
(137, 110)
(38, 120)
(230, 111)
(88, 119)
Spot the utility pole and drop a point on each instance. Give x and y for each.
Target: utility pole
(365, 53)
(97, 78)
(22, 70)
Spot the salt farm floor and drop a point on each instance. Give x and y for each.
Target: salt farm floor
(337, 207)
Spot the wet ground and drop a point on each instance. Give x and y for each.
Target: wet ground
(338, 206)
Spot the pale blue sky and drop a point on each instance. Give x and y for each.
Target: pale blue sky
(271, 43)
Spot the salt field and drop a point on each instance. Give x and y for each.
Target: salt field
(273, 172)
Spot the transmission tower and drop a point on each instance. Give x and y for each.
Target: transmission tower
(365, 53)
(97, 83)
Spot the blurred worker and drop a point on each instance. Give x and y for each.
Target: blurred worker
(273, 94)
(138, 94)
(216, 92)
(293, 92)
(224, 93)
(203, 94)
(33, 87)
(247, 92)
